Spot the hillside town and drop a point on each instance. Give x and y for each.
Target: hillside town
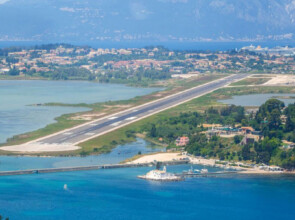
(62, 61)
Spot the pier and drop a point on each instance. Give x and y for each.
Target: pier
(207, 174)
(84, 168)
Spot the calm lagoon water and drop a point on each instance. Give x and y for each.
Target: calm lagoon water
(117, 155)
(257, 99)
(17, 117)
(118, 194)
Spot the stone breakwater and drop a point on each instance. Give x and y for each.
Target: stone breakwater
(95, 167)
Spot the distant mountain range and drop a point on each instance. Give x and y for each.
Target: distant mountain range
(147, 20)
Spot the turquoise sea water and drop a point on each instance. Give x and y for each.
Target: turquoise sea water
(16, 116)
(118, 194)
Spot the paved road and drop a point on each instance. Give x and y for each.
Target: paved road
(107, 124)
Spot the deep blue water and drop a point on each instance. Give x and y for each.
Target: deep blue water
(118, 194)
(214, 46)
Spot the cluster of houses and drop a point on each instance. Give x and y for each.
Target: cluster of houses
(287, 145)
(181, 141)
(233, 165)
(41, 60)
(285, 51)
(249, 133)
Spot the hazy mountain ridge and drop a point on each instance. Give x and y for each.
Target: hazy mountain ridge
(152, 20)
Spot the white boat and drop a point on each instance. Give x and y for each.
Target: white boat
(190, 171)
(160, 175)
(193, 171)
(204, 171)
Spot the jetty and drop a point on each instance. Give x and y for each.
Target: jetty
(116, 166)
(209, 174)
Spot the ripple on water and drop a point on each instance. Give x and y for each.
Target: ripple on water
(18, 117)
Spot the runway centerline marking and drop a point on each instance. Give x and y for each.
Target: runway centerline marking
(112, 118)
(116, 124)
(90, 134)
(67, 133)
(130, 119)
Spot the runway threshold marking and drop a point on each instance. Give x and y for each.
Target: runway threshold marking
(67, 133)
(116, 124)
(112, 118)
(130, 119)
(90, 134)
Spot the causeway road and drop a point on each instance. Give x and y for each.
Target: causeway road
(92, 129)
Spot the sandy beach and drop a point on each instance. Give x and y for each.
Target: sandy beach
(161, 157)
(167, 157)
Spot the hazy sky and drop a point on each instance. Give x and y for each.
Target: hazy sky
(147, 20)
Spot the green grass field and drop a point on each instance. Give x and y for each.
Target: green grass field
(199, 104)
(126, 134)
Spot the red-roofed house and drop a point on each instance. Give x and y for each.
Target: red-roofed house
(182, 141)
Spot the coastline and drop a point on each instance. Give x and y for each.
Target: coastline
(94, 110)
(110, 141)
(178, 156)
(150, 84)
(107, 108)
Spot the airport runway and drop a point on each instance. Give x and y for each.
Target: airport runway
(104, 125)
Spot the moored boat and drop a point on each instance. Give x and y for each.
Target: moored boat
(161, 175)
(204, 171)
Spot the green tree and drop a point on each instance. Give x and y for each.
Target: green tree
(13, 72)
(153, 131)
(290, 122)
(290, 125)
(238, 139)
(221, 156)
(289, 164)
(246, 152)
(269, 106)
(274, 119)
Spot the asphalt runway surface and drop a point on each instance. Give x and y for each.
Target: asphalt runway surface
(101, 126)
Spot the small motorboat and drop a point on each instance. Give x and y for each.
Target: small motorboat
(204, 171)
